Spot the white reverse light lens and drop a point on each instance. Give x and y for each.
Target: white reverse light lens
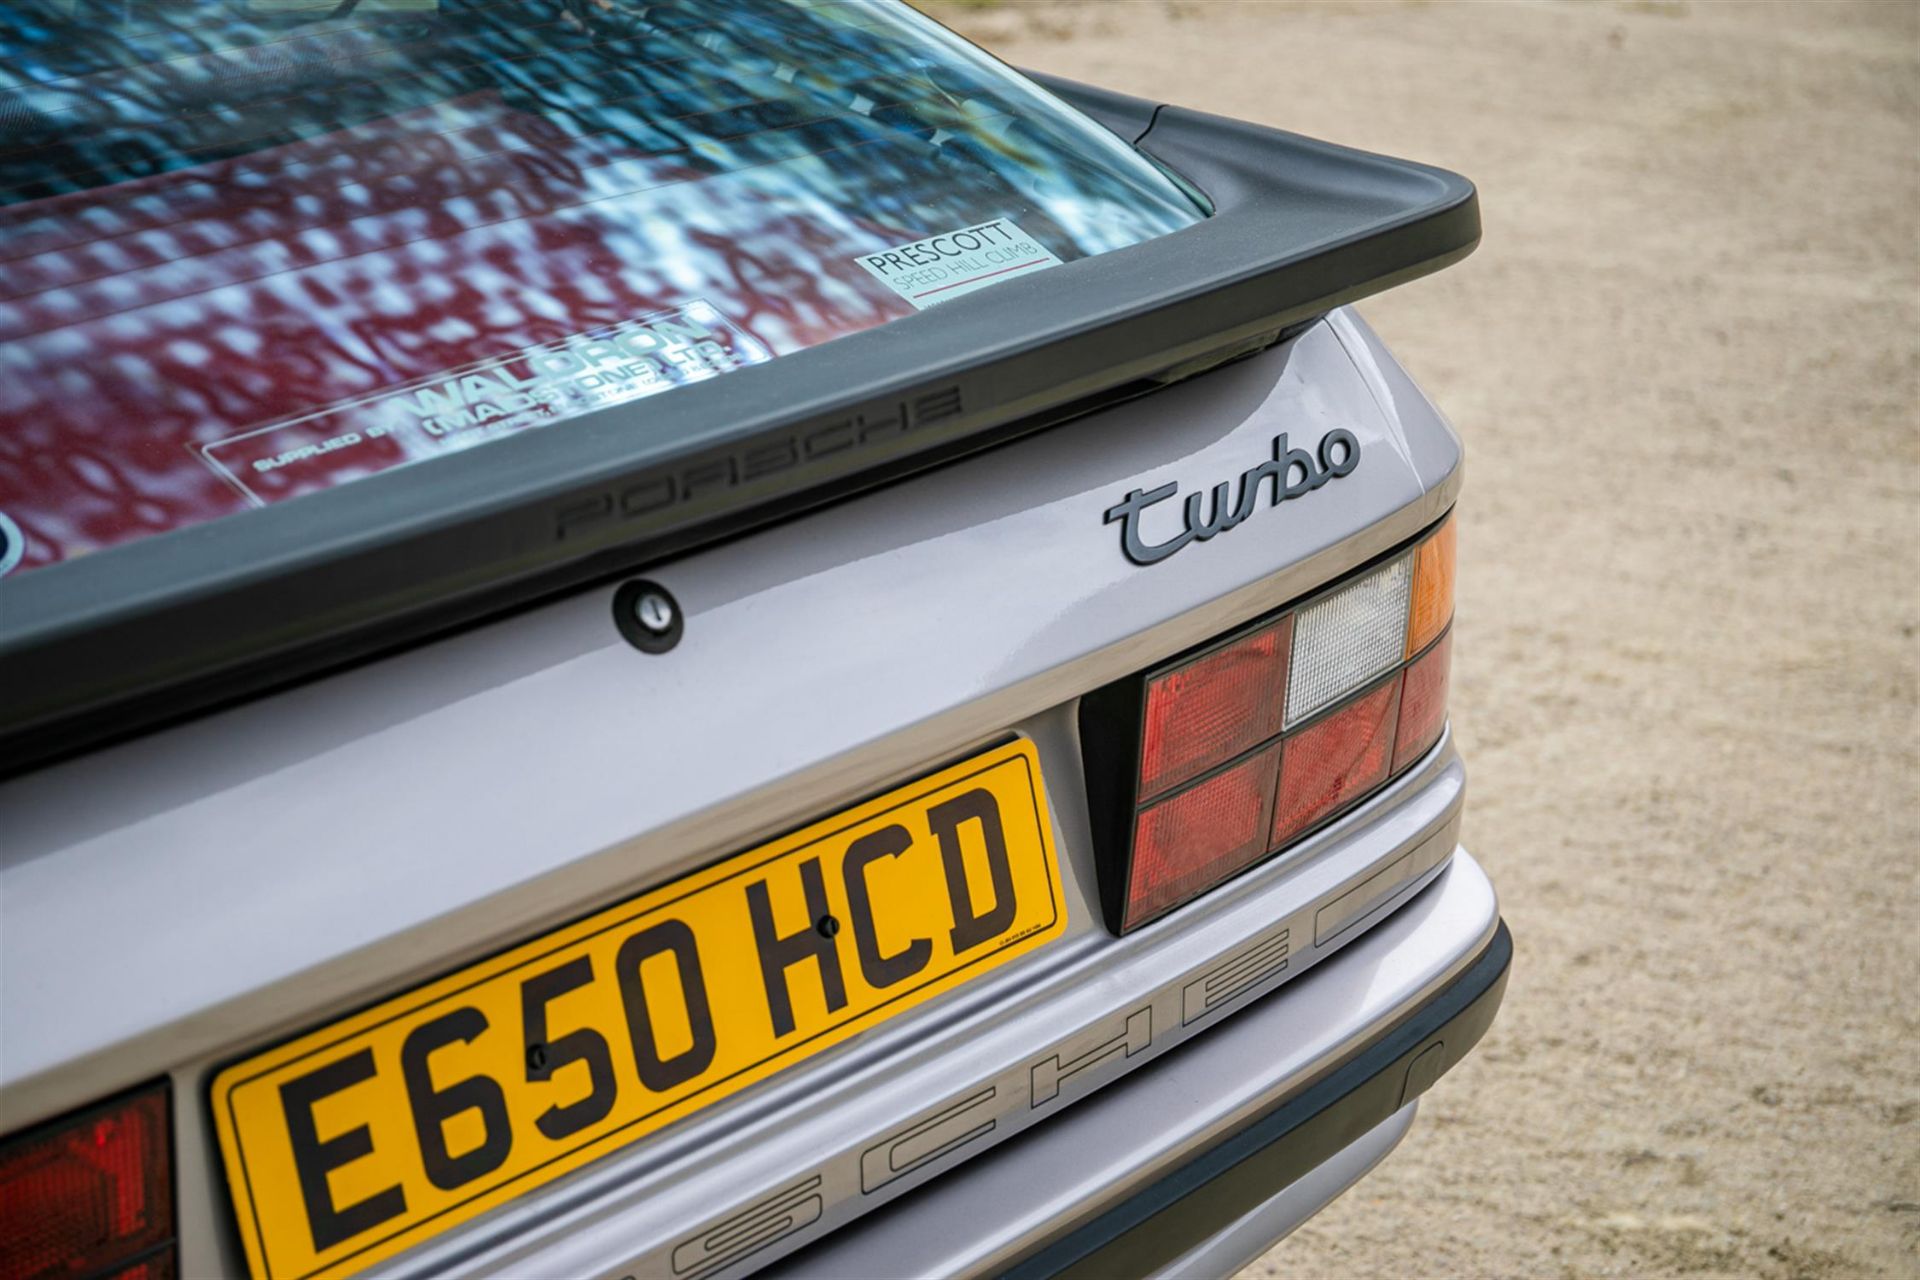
(1348, 638)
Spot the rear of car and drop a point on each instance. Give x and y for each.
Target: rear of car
(652, 642)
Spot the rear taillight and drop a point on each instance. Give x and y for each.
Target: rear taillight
(1334, 761)
(90, 1194)
(1201, 835)
(1347, 637)
(1213, 708)
(1202, 767)
(1423, 704)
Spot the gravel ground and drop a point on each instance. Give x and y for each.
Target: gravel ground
(1686, 362)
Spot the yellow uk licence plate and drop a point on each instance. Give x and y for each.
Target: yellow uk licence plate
(349, 1144)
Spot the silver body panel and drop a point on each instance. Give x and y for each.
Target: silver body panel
(175, 902)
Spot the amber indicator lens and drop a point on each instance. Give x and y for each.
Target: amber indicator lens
(90, 1194)
(1213, 708)
(1432, 589)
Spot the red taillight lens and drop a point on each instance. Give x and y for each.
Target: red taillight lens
(1423, 704)
(1320, 703)
(1335, 760)
(1197, 838)
(89, 1194)
(1213, 708)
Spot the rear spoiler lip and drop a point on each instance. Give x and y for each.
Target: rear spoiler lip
(115, 643)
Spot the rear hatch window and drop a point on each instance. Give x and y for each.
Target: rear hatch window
(253, 249)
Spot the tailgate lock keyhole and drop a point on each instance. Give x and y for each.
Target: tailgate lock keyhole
(648, 616)
(655, 612)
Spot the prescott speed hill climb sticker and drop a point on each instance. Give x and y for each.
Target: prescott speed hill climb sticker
(461, 407)
(933, 270)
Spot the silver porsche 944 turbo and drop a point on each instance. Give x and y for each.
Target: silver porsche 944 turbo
(694, 640)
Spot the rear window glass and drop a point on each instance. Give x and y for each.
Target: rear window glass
(253, 249)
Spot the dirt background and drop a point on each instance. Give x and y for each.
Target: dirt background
(1686, 363)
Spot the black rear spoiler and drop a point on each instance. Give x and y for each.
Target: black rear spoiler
(120, 641)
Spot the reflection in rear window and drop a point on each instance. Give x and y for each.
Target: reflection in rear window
(252, 249)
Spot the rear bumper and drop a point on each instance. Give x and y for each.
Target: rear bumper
(1167, 1227)
(1197, 1162)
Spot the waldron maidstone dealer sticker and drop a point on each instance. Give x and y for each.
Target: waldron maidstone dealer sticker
(931, 271)
(465, 406)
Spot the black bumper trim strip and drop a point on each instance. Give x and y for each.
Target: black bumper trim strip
(1154, 1226)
